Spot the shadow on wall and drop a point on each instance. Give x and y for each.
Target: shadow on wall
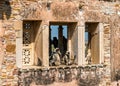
(5, 9)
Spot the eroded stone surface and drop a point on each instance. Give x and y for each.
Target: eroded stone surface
(82, 11)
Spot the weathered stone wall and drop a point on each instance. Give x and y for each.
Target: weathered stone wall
(81, 11)
(8, 57)
(115, 48)
(77, 76)
(107, 54)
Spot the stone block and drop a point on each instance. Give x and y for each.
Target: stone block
(10, 77)
(15, 72)
(65, 11)
(9, 67)
(3, 76)
(106, 31)
(2, 30)
(8, 84)
(18, 25)
(10, 48)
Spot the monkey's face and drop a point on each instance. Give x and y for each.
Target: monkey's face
(67, 52)
(58, 51)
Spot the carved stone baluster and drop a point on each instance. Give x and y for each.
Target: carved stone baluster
(52, 75)
(45, 77)
(36, 77)
(82, 76)
(74, 73)
(42, 77)
(61, 75)
(68, 75)
(79, 72)
(97, 75)
(32, 75)
(57, 75)
(39, 75)
(20, 77)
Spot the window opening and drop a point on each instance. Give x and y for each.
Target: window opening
(31, 54)
(58, 44)
(27, 42)
(58, 38)
(91, 43)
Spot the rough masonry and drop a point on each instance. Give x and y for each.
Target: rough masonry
(14, 12)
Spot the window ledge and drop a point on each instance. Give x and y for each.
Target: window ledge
(28, 68)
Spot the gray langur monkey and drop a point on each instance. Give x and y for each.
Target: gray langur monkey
(55, 58)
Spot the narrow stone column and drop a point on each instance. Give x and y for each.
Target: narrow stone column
(18, 26)
(1, 46)
(81, 45)
(101, 45)
(45, 44)
(60, 39)
(50, 41)
(19, 48)
(69, 40)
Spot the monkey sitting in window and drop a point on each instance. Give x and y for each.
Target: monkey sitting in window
(88, 57)
(66, 58)
(55, 58)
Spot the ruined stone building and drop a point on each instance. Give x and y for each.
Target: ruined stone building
(84, 52)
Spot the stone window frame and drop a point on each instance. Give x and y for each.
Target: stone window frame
(80, 51)
(82, 47)
(18, 25)
(70, 37)
(101, 41)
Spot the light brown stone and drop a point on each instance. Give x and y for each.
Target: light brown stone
(13, 12)
(10, 77)
(2, 30)
(3, 76)
(10, 48)
(18, 25)
(106, 30)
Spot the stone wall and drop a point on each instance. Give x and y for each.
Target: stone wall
(107, 54)
(12, 11)
(8, 57)
(62, 76)
(115, 28)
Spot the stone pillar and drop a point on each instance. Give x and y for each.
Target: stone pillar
(19, 48)
(50, 41)
(101, 40)
(45, 44)
(60, 39)
(1, 46)
(81, 45)
(69, 40)
(19, 33)
(81, 38)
